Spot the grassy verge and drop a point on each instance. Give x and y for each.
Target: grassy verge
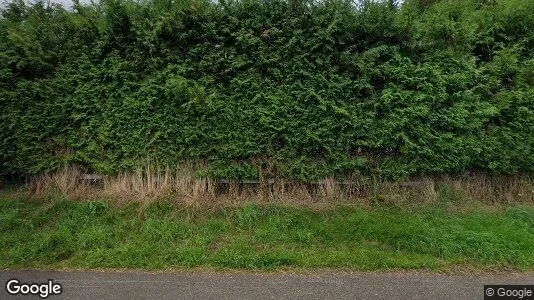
(56, 233)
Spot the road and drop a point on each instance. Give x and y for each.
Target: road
(249, 285)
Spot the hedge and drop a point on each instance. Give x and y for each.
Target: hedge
(295, 89)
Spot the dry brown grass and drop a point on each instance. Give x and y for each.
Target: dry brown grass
(181, 184)
(493, 189)
(64, 182)
(150, 183)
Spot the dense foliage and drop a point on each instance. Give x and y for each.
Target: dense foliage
(296, 89)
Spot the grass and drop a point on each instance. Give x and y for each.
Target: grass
(183, 184)
(56, 233)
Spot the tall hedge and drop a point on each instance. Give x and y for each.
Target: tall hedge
(296, 89)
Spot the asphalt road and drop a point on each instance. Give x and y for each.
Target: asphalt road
(245, 285)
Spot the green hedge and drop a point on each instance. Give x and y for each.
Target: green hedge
(297, 89)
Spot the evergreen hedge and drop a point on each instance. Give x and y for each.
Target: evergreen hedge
(297, 89)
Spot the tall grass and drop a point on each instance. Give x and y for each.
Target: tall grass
(183, 185)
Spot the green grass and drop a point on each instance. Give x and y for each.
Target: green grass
(95, 234)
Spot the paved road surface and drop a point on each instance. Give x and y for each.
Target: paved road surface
(243, 285)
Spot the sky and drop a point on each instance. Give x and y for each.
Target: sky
(68, 3)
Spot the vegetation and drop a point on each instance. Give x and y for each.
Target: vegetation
(324, 102)
(293, 89)
(98, 234)
(183, 186)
